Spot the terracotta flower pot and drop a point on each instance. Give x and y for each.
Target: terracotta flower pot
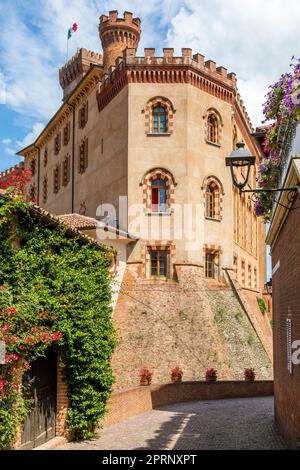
(211, 379)
(249, 379)
(144, 382)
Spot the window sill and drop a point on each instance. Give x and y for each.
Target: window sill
(165, 134)
(213, 220)
(159, 214)
(213, 144)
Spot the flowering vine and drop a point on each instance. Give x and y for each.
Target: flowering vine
(282, 107)
(54, 292)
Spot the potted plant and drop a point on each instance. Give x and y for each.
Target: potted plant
(176, 374)
(211, 375)
(145, 377)
(249, 375)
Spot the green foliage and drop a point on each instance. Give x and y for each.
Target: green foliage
(68, 281)
(251, 339)
(239, 316)
(12, 412)
(262, 305)
(219, 315)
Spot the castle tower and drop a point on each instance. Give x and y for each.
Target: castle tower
(116, 34)
(76, 68)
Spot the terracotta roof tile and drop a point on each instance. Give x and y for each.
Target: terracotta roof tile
(78, 221)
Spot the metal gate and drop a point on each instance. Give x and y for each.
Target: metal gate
(39, 426)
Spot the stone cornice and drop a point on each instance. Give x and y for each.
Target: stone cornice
(87, 84)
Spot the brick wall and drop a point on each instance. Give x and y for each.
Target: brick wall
(138, 400)
(193, 323)
(61, 401)
(286, 305)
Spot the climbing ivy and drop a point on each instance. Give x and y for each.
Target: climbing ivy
(63, 282)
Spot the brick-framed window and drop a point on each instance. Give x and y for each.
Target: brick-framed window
(83, 156)
(33, 166)
(45, 189)
(56, 179)
(249, 276)
(213, 124)
(213, 193)
(66, 134)
(212, 261)
(158, 191)
(243, 267)
(255, 278)
(32, 193)
(83, 115)
(235, 263)
(66, 170)
(158, 258)
(234, 138)
(159, 117)
(57, 143)
(45, 157)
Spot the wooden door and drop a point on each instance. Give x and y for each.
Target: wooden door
(39, 426)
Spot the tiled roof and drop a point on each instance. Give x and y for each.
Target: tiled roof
(78, 221)
(82, 222)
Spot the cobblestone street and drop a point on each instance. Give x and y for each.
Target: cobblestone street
(223, 424)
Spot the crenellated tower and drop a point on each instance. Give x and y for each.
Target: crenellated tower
(117, 34)
(76, 68)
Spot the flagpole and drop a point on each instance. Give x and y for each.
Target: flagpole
(67, 49)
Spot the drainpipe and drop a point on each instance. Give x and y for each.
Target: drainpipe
(73, 158)
(39, 170)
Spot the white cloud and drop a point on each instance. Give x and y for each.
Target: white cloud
(254, 38)
(2, 89)
(32, 135)
(10, 151)
(6, 141)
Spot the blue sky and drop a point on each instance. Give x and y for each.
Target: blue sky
(252, 38)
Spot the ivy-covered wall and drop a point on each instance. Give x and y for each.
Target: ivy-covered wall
(54, 289)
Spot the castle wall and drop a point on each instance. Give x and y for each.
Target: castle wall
(186, 154)
(105, 177)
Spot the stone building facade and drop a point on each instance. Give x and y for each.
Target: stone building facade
(140, 143)
(128, 123)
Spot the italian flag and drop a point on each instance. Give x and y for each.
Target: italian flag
(72, 30)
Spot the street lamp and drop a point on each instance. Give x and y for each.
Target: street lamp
(240, 158)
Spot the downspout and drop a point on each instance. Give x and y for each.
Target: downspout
(39, 170)
(73, 158)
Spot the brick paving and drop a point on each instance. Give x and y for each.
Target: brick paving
(212, 425)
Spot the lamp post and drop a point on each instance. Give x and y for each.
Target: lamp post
(242, 158)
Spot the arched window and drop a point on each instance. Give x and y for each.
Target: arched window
(234, 138)
(212, 201)
(212, 129)
(158, 191)
(159, 195)
(159, 120)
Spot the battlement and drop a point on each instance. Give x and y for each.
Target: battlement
(117, 34)
(15, 170)
(75, 69)
(187, 68)
(196, 61)
(113, 20)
